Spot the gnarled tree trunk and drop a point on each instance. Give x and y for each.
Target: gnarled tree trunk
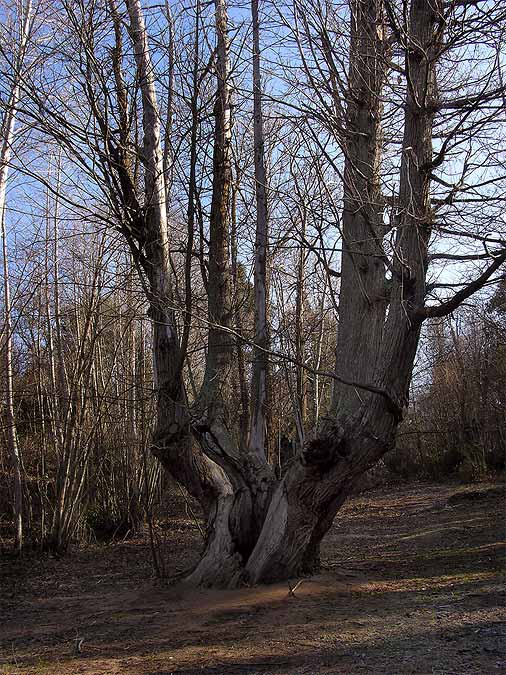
(196, 444)
(239, 508)
(306, 502)
(259, 531)
(235, 487)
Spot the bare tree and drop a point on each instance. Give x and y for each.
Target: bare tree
(377, 141)
(24, 18)
(258, 426)
(362, 426)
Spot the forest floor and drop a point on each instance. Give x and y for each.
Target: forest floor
(413, 583)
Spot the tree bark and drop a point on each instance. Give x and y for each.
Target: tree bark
(8, 128)
(300, 306)
(12, 436)
(307, 500)
(172, 440)
(238, 510)
(258, 425)
(213, 469)
(362, 301)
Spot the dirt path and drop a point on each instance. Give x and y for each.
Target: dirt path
(410, 585)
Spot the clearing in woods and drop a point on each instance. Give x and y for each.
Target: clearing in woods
(413, 583)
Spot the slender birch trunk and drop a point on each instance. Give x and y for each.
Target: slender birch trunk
(12, 436)
(242, 387)
(8, 129)
(168, 152)
(318, 358)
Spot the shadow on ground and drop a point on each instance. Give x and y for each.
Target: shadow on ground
(409, 586)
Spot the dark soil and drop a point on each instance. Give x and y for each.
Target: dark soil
(413, 582)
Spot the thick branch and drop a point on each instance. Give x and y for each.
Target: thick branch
(466, 292)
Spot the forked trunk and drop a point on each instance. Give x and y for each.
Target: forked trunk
(239, 503)
(307, 500)
(258, 532)
(197, 445)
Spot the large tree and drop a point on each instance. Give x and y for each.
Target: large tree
(385, 117)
